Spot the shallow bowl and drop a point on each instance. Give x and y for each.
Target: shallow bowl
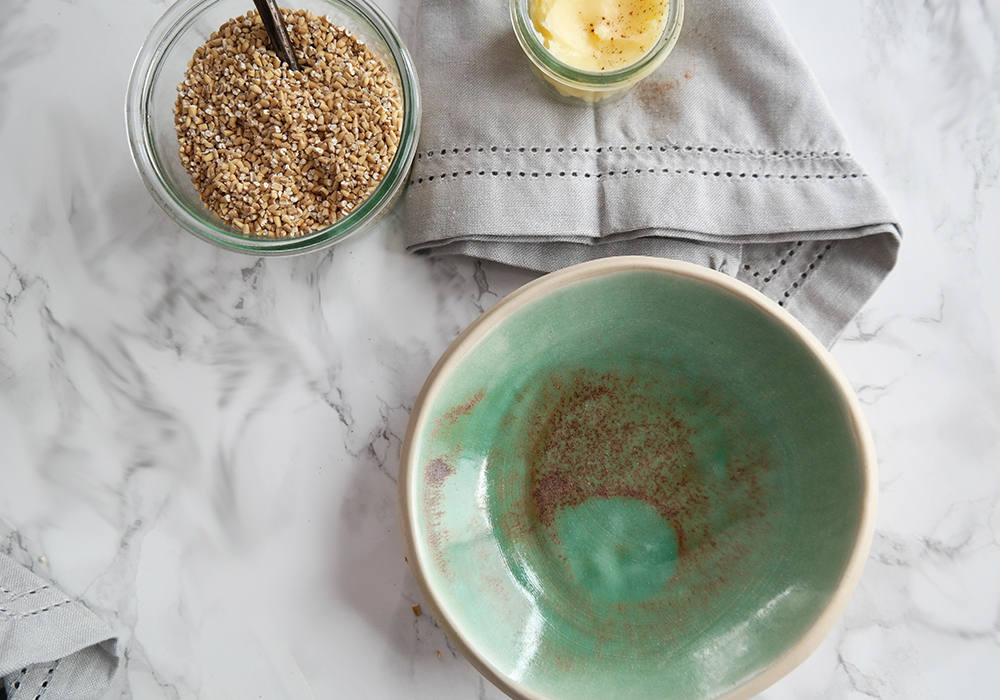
(637, 478)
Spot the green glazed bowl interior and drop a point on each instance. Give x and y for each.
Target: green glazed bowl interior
(637, 478)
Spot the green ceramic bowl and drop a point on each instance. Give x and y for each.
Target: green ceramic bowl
(637, 478)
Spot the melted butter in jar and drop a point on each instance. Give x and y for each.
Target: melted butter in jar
(599, 35)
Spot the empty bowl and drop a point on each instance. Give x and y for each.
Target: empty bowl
(636, 478)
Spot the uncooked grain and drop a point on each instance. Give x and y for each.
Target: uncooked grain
(280, 153)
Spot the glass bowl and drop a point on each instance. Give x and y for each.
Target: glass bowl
(586, 86)
(149, 115)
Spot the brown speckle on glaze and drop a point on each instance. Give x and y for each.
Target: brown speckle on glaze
(603, 436)
(453, 414)
(436, 473)
(593, 435)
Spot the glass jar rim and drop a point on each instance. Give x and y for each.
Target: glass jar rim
(145, 72)
(543, 59)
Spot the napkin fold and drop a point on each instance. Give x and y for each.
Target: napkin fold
(51, 645)
(727, 156)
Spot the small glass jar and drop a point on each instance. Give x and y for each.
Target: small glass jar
(590, 87)
(149, 114)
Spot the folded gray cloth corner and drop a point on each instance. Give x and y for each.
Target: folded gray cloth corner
(728, 156)
(50, 644)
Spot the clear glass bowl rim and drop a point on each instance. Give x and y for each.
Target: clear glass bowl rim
(520, 16)
(144, 73)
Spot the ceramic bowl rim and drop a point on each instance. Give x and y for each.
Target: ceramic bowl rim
(543, 286)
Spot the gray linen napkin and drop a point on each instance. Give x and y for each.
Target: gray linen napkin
(50, 645)
(727, 156)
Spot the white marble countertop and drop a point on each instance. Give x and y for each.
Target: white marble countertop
(203, 446)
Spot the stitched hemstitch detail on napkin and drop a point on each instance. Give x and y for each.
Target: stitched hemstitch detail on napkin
(18, 596)
(637, 171)
(45, 681)
(781, 263)
(17, 683)
(29, 613)
(804, 275)
(790, 154)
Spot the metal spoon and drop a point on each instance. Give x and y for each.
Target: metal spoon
(274, 23)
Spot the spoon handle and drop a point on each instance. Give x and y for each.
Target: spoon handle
(274, 23)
